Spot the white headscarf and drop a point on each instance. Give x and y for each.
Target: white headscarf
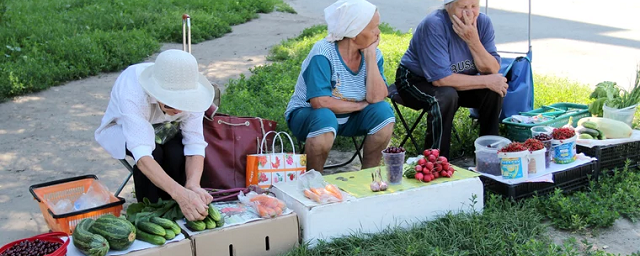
(347, 18)
(448, 1)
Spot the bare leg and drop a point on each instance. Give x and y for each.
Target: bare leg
(373, 146)
(317, 150)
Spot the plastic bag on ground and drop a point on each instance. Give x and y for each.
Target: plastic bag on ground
(265, 205)
(315, 188)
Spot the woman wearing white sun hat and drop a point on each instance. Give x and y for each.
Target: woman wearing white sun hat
(452, 62)
(169, 90)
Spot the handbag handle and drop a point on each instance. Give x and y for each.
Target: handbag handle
(281, 144)
(245, 123)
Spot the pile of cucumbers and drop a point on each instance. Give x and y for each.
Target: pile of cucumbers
(213, 220)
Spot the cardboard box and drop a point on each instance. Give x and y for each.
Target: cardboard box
(181, 248)
(375, 213)
(264, 237)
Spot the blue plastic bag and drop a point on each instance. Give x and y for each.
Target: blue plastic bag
(519, 96)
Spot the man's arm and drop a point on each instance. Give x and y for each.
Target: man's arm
(468, 31)
(462, 82)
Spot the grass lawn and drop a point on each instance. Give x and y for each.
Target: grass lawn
(504, 227)
(44, 43)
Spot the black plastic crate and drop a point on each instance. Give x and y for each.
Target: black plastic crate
(613, 156)
(568, 180)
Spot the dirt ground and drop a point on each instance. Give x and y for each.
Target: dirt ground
(48, 135)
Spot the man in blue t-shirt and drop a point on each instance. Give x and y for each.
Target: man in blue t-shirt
(452, 61)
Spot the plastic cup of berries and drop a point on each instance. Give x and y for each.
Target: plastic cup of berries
(393, 161)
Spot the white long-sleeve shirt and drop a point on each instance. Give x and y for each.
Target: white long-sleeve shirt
(130, 115)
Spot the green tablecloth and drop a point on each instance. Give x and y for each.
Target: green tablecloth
(357, 183)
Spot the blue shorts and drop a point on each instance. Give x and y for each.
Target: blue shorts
(308, 122)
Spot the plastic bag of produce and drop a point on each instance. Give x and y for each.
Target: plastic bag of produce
(265, 205)
(315, 188)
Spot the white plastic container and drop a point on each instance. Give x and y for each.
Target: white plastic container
(624, 115)
(514, 165)
(564, 151)
(487, 153)
(537, 161)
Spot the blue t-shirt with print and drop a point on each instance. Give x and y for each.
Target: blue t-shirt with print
(436, 51)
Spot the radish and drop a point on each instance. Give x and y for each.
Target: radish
(422, 161)
(428, 166)
(445, 166)
(436, 175)
(435, 152)
(426, 178)
(419, 176)
(438, 167)
(418, 168)
(432, 158)
(426, 153)
(442, 159)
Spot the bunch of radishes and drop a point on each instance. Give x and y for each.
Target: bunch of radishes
(432, 166)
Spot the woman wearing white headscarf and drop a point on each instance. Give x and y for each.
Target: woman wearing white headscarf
(452, 62)
(341, 87)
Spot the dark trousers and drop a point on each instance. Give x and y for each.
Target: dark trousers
(170, 156)
(442, 103)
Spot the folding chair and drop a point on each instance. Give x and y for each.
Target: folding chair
(397, 100)
(357, 145)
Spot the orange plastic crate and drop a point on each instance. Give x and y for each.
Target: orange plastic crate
(47, 194)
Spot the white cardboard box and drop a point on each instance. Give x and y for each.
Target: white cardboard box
(375, 213)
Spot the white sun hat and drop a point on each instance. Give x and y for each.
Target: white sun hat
(448, 1)
(174, 80)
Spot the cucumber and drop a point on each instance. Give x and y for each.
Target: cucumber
(214, 213)
(584, 130)
(88, 243)
(590, 125)
(150, 238)
(220, 223)
(585, 136)
(197, 225)
(170, 235)
(151, 228)
(210, 223)
(166, 224)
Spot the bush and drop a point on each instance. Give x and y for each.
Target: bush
(45, 43)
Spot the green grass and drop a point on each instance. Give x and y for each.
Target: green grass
(613, 196)
(503, 228)
(44, 43)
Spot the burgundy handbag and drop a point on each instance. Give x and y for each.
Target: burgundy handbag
(230, 140)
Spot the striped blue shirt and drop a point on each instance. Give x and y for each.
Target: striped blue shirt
(324, 73)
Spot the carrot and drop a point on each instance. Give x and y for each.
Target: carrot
(272, 212)
(318, 191)
(311, 195)
(262, 211)
(278, 211)
(259, 198)
(281, 205)
(334, 191)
